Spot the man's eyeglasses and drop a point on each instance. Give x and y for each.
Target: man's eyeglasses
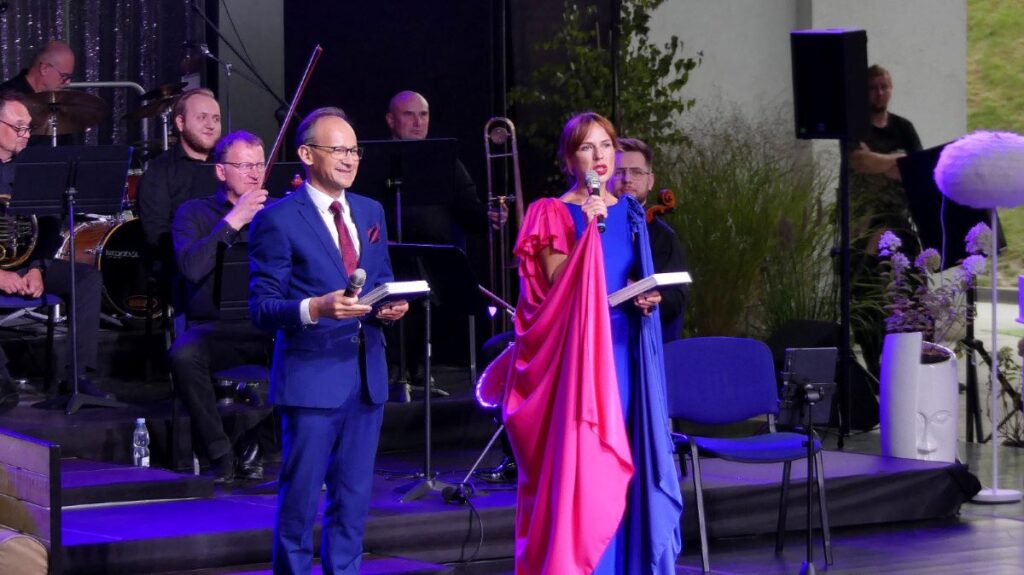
(340, 152)
(19, 130)
(65, 77)
(246, 167)
(633, 172)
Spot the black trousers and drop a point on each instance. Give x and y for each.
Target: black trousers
(196, 355)
(86, 312)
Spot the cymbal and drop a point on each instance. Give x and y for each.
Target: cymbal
(164, 91)
(152, 109)
(75, 111)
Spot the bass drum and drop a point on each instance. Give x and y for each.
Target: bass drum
(114, 248)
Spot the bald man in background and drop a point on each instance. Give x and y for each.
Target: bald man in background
(52, 69)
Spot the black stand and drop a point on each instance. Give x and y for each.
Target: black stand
(35, 193)
(427, 482)
(423, 170)
(972, 421)
(462, 491)
(845, 279)
(811, 396)
(77, 400)
(807, 383)
(454, 287)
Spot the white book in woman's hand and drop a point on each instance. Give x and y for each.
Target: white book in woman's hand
(647, 284)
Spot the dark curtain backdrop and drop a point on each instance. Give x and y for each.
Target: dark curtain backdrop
(444, 50)
(131, 40)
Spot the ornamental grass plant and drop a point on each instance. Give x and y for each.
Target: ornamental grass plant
(753, 213)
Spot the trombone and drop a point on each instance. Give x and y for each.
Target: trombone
(500, 147)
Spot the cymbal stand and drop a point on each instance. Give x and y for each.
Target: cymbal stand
(52, 121)
(165, 128)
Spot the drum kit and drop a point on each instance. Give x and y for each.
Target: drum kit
(111, 243)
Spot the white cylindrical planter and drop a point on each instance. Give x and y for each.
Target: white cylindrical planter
(901, 357)
(919, 402)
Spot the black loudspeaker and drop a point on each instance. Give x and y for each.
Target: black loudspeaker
(830, 86)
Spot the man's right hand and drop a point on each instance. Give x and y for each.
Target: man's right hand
(245, 209)
(336, 306)
(11, 283)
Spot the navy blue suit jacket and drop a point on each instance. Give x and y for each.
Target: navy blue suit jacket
(293, 256)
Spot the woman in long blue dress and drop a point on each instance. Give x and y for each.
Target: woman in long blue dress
(647, 538)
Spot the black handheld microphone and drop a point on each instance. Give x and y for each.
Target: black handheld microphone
(356, 281)
(594, 186)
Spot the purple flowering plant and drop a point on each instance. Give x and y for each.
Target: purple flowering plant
(915, 298)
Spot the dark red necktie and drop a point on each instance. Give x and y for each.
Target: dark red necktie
(348, 249)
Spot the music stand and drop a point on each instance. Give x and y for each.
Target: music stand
(932, 214)
(45, 183)
(808, 366)
(453, 287)
(408, 174)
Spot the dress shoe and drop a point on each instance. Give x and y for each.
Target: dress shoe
(224, 469)
(9, 396)
(250, 464)
(506, 472)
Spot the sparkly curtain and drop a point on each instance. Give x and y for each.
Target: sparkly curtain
(128, 40)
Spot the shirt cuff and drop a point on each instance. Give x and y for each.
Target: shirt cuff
(226, 232)
(304, 312)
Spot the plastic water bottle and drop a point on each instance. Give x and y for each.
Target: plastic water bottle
(140, 444)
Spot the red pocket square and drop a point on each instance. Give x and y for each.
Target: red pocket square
(373, 234)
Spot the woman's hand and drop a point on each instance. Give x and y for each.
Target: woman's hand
(647, 301)
(594, 206)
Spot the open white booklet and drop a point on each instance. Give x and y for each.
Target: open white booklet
(647, 284)
(394, 291)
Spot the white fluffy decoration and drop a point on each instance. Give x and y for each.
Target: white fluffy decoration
(983, 170)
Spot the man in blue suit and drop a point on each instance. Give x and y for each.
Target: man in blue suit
(329, 375)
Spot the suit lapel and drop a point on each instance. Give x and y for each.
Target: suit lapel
(309, 212)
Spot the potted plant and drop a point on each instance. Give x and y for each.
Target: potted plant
(919, 385)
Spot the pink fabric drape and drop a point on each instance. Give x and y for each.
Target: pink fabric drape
(562, 405)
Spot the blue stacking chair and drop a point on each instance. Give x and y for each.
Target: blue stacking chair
(724, 380)
(25, 306)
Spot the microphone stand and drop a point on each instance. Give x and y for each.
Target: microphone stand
(252, 69)
(227, 81)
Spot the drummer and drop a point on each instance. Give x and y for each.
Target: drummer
(52, 69)
(42, 275)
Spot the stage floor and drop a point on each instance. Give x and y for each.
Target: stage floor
(234, 528)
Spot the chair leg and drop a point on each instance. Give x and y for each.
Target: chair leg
(48, 372)
(701, 521)
(780, 528)
(826, 535)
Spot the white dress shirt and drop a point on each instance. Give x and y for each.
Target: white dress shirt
(323, 202)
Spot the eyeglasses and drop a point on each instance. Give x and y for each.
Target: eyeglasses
(65, 77)
(20, 131)
(246, 167)
(339, 152)
(633, 172)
